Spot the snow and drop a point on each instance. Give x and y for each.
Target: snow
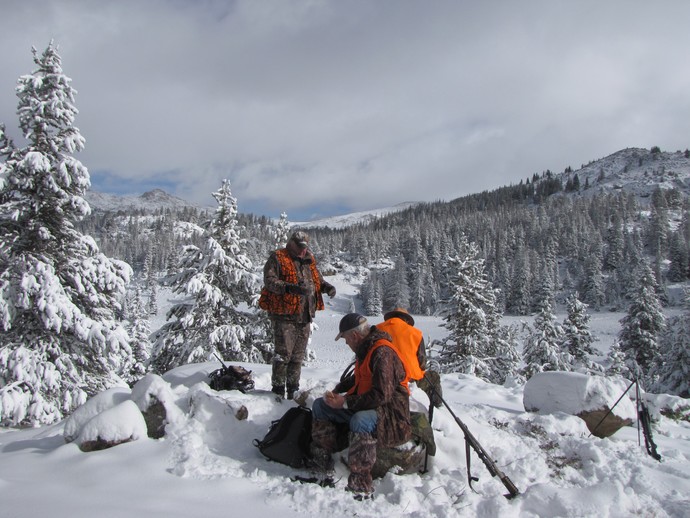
(206, 464)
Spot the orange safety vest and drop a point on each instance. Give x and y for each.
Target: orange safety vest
(406, 340)
(363, 373)
(288, 303)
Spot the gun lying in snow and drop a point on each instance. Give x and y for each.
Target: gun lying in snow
(471, 442)
(225, 367)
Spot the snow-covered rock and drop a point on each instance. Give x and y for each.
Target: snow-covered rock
(93, 406)
(156, 400)
(117, 425)
(588, 397)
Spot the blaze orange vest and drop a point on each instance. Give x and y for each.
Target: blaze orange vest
(363, 373)
(288, 303)
(406, 340)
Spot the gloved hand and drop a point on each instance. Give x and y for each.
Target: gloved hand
(295, 289)
(330, 290)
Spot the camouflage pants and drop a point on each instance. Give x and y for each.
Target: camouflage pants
(290, 339)
(361, 459)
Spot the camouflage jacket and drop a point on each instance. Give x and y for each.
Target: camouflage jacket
(274, 282)
(390, 399)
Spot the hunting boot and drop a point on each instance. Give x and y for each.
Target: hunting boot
(361, 459)
(279, 392)
(291, 391)
(323, 444)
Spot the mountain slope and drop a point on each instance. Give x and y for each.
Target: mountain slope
(149, 201)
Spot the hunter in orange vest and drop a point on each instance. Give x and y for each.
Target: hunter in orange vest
(408, 341)
(374, 403)
(292, 293)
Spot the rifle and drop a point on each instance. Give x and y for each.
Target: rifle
(645, 420)
(471, 442)
(225, 367)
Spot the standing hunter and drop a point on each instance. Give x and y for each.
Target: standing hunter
(291, 295)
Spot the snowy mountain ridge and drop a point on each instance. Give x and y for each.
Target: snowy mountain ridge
(148, 201)
(355, 218)
(636, 170)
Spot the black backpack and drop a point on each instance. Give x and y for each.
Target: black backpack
(288, 438)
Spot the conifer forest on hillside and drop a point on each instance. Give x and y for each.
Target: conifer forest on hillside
(79, 284)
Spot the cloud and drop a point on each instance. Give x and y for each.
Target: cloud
(355, 105)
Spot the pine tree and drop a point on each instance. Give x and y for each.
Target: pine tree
(281, 231)
(396, 288)
(140, 333)
(616, 361)
(58, 293)
(470, 315)
(219, 290)
(643, 322)
(578, 338)
(542, 350)
(372, 291)
(671, 371)
(678, 268)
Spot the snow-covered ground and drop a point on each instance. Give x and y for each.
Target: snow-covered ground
(207, 466)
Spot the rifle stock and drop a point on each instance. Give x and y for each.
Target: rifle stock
(471, 442)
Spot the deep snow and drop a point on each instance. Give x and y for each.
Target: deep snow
(207, 466)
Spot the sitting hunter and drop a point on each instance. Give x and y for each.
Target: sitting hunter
(374, 403)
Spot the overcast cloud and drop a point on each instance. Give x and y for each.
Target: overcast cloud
(325, 107)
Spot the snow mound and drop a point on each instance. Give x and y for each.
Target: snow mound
(94, 406)
(575, 393)
(121, 423)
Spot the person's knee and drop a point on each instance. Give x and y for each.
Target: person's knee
(363, 422)
(317, 409)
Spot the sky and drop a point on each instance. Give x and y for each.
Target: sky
(317, 108)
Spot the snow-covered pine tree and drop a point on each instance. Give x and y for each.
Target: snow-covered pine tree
(671, 372)
(220, 290)
(60, 341)
(371, 293)
(543, 350)
(140, 338)
(578, 337)
(470, 315)
(643, 322)
(396, 291)
(281, 232)
(616, 361)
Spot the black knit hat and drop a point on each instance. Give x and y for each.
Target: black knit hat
(349, 322)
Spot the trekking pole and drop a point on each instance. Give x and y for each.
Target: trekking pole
(471, 441)
(611, 409)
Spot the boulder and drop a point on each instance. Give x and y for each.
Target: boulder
(587, 397)
(156, 400)
(117, 425)
(91, 408)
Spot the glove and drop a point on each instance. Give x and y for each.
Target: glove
(295, 289)
(330, 291)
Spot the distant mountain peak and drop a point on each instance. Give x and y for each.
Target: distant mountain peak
(149, 201)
